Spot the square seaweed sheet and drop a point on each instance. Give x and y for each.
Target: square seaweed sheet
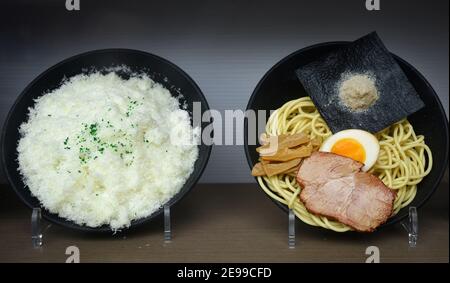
(367, 55)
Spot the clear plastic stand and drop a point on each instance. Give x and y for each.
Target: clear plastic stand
(291, 229)
(167, 227)
(37, 231)
(411, 225)
(36, 228)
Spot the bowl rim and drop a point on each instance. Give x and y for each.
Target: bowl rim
(435, 183)
(55, 218)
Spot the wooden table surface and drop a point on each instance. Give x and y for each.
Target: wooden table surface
(225, 223)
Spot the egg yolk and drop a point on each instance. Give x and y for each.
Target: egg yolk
(350, 148)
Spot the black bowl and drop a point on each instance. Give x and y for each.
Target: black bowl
(279, 85)
(159, 69)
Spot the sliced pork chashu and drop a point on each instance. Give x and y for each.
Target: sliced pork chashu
(335, 187)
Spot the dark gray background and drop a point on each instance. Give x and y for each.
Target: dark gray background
(225, 46)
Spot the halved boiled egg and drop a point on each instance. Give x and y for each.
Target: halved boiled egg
(356, 144)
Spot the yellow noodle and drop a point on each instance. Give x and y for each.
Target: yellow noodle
(403, 162)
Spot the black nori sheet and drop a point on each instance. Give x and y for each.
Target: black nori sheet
(367, 55)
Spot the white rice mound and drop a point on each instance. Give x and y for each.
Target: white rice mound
(104, 150)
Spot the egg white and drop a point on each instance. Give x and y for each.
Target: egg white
(368, 141)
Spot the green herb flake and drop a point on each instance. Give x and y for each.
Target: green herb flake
(93, 129)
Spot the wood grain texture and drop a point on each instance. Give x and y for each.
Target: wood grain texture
(225, 223)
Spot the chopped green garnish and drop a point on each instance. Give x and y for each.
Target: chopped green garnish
(91, 144)
(93, 129)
